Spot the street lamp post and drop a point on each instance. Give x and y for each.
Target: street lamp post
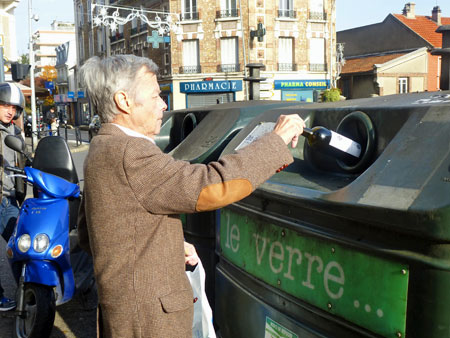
(33, 92)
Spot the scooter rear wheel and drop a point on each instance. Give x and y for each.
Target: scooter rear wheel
(39, 305)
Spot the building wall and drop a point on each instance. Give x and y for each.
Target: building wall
(363, 86)
(434, 72)
(209, 29)
(8, 29)
(44, 44)
(413, 66)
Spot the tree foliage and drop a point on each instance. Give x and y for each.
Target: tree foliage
(24, 59)
(331, 95)
(49, 73)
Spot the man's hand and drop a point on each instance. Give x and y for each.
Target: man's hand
(289, 128)
(190, 255)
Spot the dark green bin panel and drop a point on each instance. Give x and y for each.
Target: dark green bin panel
(386, 227)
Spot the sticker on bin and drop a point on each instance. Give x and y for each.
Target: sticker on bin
(261, 129)
(345, 144)
(276, 330)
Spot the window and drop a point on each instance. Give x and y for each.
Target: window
(402, 85)
(80, 14)
(229, 54)
(189, 8)
(191, 62)
(316, 10)
(100, 39)
(81, 46)
(316, 6)
(229, 8)
(317, 55)
(286, 9)
(134, 26)
(89, 11)
(91, 44)
(166, 59)
(285, 54)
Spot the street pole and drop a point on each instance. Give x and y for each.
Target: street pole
(33, 93)
(2, 69)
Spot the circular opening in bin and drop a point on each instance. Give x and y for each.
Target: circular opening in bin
(188, 125)
(359, 127)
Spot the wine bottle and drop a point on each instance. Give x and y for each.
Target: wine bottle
(331, 142)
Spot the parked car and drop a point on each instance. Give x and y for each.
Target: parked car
(94, 126)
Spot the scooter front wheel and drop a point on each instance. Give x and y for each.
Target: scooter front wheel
(39, 315)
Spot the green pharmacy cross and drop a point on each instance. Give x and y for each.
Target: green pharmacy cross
(156, 39)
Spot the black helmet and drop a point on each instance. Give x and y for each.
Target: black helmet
(11, 94)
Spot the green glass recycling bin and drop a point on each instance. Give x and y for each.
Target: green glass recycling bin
(361, 248)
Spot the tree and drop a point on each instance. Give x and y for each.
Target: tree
(331, 95)
(24, 59)
(49, 73)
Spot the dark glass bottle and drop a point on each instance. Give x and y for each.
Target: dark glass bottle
(331, 142)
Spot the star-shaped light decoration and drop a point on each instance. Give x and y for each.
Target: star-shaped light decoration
(97, 21)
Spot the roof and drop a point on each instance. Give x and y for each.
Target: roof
(365, 64)
(425, 27)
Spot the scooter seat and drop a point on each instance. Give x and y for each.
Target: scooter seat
(50, 185)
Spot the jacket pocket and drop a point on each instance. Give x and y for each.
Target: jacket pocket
(177, 301)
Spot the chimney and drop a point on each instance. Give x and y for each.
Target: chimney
(409, 10)
(436, 15)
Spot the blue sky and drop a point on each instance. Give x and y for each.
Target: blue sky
(349, 14)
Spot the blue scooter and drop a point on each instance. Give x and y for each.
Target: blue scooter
(47, 264)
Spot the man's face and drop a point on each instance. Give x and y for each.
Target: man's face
(7, 112)
(148, 107)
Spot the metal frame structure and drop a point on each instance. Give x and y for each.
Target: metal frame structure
(110, 16)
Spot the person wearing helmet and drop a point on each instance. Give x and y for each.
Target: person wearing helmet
(12, 103)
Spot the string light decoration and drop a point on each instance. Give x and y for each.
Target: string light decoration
(110, 16)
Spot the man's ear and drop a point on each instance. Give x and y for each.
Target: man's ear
(121, 99)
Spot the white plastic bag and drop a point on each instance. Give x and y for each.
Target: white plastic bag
(202, 327)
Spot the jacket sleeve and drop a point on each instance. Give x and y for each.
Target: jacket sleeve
(164, 185)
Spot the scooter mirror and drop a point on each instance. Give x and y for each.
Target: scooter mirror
(15, 143)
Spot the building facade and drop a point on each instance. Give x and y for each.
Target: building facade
(202, 60)
(379, 62)
(45, 42)
(65, 81)
(8, 33)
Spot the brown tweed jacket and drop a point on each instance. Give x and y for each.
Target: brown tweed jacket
(129, 220)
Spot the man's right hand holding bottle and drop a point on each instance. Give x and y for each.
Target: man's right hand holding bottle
(289, 128)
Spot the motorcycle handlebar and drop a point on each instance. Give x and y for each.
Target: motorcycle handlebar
(15, 170)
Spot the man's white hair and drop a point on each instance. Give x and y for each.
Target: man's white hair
(105, 77)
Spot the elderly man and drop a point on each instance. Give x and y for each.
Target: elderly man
(133, 193)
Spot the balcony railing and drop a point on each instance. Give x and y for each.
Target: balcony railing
(227, 13)
(228, 68)
(287, 13)
(317, 67)
(287, 67)
(318, 16)
(189, 16)
(190, 69)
